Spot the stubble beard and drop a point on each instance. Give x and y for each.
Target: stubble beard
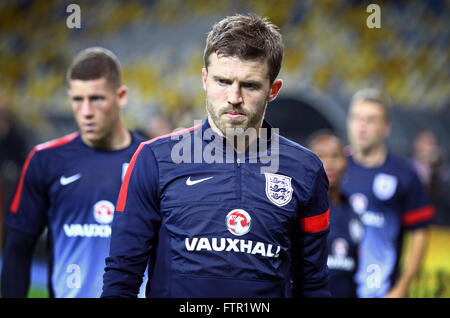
(252, 120)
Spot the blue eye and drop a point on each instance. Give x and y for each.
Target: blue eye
(97, 98)
(249, 86)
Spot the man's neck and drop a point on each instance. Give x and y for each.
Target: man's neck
(120, 138)
(375, 157)
(240, 143)
(334, 195)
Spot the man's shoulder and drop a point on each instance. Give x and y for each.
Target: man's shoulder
(137, 138)
(393, 163)
(163, 144)
(57, 142)
(398, 162)
(404, 170)
(47, 150)
(298, 152)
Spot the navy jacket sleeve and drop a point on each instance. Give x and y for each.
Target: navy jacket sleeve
(17, 256)
(28, 210)
(135, 226)
(24, 222)
(309, 249)
(418, 210)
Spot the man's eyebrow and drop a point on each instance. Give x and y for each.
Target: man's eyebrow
(252, 82)
(95, 95)
(249, 82)
(218, 77)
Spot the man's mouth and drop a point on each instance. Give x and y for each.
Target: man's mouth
(234, 115)
(89, 127)
(331, 175)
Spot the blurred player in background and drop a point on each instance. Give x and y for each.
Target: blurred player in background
(426, 156)
(389, 197)
(429, 160)
(13, 152)
(70, 185)
(345, 227)
(225, 229)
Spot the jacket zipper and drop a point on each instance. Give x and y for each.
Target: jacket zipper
(239, 180)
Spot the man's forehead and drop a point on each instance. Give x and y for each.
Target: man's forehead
(327, 144)
(231, 64)
(92, 85)
(367, 106)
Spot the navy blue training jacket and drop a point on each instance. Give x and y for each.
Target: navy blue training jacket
(210, 223)
(69, 189)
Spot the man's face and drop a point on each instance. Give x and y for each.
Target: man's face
(237, 92)
(330, 151)
(367, 126)
(96, 107)
(426, 148)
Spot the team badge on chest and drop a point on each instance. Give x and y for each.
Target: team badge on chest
(278, 188)
(384, 186)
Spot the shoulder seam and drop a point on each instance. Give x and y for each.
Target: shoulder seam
(157, 170)
(316, 175)
(176, 133)
(56, 142)
(302, 149)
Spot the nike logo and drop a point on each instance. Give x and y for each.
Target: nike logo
(189, 182)
(65, 181)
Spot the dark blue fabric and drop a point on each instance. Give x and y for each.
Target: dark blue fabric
(182, 229)
(71, 189)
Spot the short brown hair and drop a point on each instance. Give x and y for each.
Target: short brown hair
(94, 63)
(373, 95)
(246, 37)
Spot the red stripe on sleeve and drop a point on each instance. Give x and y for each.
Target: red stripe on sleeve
(57, 142)
(315, 223)
(15, 203)
(47, 145)
(126, 180)
(419, 215)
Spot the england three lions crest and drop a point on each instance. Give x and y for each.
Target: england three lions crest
(278, 188)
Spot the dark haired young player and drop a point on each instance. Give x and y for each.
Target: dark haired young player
(70, 186)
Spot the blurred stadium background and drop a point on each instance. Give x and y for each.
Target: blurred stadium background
(329, 54)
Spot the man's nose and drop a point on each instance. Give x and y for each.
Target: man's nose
(234, 94)
(360, 123)
(87, 110)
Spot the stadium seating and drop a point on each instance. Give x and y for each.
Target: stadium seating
(328, 46)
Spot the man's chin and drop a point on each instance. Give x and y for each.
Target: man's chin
(91, 138)
(360, 146)
(236, 129)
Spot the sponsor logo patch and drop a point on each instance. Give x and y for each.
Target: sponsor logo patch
(238, 222)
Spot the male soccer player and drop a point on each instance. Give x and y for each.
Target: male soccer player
(389, 197)
(222, 228)
(345, 227)
(70, 186)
